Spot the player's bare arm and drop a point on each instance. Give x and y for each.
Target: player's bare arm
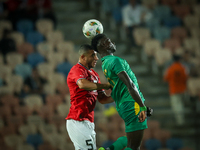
(90, 86)
(133, 92)
(103, 98)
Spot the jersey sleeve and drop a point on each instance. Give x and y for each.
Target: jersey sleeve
(79, 74)
(118, 65)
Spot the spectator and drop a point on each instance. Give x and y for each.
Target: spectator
(40, 9)
(33, 84)
(134, 15)
(6, 43)
(176, 76)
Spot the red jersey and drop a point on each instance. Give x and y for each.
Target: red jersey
(82, 101)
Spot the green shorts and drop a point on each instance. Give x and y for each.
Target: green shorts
(129, 112)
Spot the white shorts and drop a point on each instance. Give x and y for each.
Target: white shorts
(82, 134)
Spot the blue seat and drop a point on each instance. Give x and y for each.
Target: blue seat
(34, 59)
(24, 70)
(174, 143)
(35, 140)
(162, 11)
(172, 22)
(161, 33)
(34, 38)
(153, 144)
(123, 2)
(24, 26)
(64, 68)
(153, 23)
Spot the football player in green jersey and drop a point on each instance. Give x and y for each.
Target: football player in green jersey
(126, 94)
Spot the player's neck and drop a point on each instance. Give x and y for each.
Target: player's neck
(84, 64)
(105, 54)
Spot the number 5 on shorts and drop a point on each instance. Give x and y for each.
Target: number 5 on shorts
(89, 143)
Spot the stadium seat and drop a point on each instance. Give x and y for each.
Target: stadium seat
(170, 3)
(8, 130)
(14, 59)
(10, 100)
(153, 144)
(64, 68)
(49, 89)
(35, 140)
(27, 129)
(65, 47)
(35, 120)
(55, 58)
(13, 140)
(15, 121)
(153, 23)
(34, 37)
(44, 26)
(141, 35)
(47, 129)
(172, 44)
(193, 86)
(153, 124)
(1, 82)
(17, 37)
(181, 10)
(34, 59)
(189, 3)
(191, 44)
(57, 120)
(1, 59)
(44, 48)
(162, 33)
(172, 22)
(151, 3)
(150, 46)
(5, 111)
(53, 100)
(63, 109)
(186, 148)
(63, 89)
(24, 70)
(55, 37)
(195, 32)
(24, 26)
(25, 147)
(161, 135)
(16, 82)
(179, 32)
(73, 58)
(1, 123)
(23, 111)
(46, 146)
(45, 69)
(25, 49)
(162, 56)
(56, 139)
(57, 79)
(191, 21)
(162, 11)
(33, 101)
(5, 71)
(174, 143)
(196, 9)
(5, 24)
(6, 90)
(147, 134)
(45, 111)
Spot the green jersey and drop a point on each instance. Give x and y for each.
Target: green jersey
(112, 66)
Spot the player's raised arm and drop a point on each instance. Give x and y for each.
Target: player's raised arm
(133, 92)
(90, 86)
(103, 98)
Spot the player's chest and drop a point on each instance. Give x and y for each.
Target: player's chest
(90, 76)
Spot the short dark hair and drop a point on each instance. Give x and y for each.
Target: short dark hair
(95, 41)
(176, 57)
(84, 48)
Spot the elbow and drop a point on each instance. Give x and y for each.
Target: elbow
(81, 86)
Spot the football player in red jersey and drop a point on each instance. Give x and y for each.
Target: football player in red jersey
(85, 88)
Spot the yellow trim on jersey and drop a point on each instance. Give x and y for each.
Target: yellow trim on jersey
(111, 81)
(137, 108)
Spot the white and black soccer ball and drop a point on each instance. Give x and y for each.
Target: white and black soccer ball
(91, 28)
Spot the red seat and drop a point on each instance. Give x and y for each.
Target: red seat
(16, 121)
(7, 130)
(23, 111)
(172, 44)
(179, 33)
(54, 100)
(181, 10)
(63, 89)
(10, 100)
(57, 120)
(169, 3)
(5, 111)
(25, 49)
(45, 111)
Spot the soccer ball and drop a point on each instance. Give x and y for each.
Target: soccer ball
(92, 27)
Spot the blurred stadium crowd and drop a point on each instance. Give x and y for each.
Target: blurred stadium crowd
(35, 60)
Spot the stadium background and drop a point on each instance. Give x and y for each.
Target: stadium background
(46, 48)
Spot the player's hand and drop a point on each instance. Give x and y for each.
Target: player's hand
(108, 86)
(142, 116)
